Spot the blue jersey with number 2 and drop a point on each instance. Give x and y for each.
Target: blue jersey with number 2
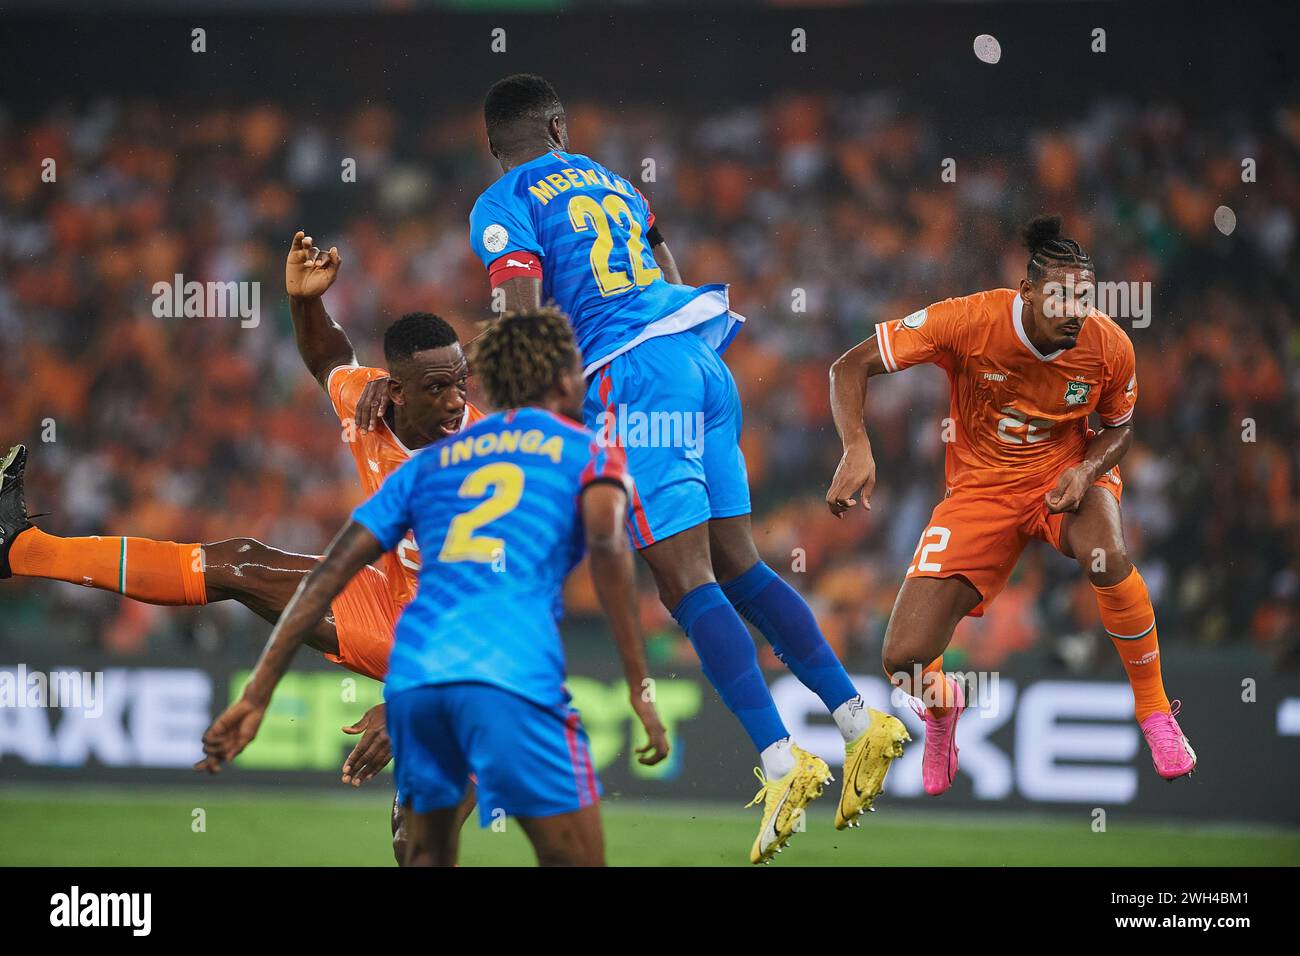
(497, 508)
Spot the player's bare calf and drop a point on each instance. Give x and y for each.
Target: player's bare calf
(926, 612)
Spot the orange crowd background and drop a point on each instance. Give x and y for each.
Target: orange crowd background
(825, 213)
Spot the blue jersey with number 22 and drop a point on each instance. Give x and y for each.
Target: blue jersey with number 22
(585, 228)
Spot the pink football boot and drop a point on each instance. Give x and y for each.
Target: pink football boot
(939, 765)
(1170, 751)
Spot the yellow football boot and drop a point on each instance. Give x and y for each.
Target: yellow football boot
(784, 801)
(866, 761)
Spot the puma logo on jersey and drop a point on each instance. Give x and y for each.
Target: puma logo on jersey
(519, 265)
(994, 377)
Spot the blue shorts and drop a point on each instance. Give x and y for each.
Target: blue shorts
(671, 403)
(529, 760)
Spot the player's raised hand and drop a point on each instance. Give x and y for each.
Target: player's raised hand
(656, 747)
(230, 734)
(309, 271)
(1070, 489)
(856, 470)
(372, 405)
(373, 751)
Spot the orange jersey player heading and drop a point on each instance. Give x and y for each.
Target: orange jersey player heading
(1020, 416)
(379, 453)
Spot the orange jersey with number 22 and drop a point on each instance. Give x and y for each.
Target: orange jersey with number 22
(1020, 417)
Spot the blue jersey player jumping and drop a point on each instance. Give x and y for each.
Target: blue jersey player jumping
(558, 226)
(476, 678)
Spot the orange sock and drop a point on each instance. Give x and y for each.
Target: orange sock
(1129, 619)
(936, 691)
(155, 572)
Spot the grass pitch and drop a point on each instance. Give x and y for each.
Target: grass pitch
(44, 827)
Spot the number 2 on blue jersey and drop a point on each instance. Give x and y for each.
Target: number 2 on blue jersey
(506, 482)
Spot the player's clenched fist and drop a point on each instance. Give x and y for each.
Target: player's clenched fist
(309, 271)
(1070, 489)
(857, 470)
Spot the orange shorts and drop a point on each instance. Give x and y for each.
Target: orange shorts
(978, 535)
(365, 617)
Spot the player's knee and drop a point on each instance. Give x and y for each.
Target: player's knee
(728, 567)
(675, 583)
(1107, 565)
(903, 652)
(416, 853)
(902, 662)
(731, 549)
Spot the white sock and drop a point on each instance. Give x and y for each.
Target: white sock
(852, 718)
(777, 759)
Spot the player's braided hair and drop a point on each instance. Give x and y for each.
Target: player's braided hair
(416, 332)
(1048, 249)
(522, 355)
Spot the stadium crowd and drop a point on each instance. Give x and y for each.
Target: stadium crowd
(825, 213)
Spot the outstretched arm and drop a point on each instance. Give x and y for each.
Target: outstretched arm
(604, 505)
(322, 343)
(857, 468)
(353, 548)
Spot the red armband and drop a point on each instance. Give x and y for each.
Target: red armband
(649, 216)
(514, 265)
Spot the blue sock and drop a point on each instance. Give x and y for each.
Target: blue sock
(785, 619)
(730, 662)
